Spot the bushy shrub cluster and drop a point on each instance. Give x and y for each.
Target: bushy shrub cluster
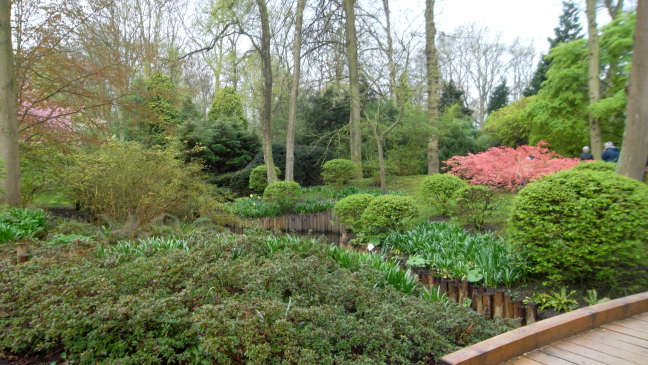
(389, 212)
(438, 189)
(596, 166)
(227, 300)
(259, 178)
(472, 204)
(125, 179)
(579, 225)
(348, 210)
(510, 168)
(283, 193)
(338, 171)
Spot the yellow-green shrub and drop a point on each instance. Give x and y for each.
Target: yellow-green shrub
(438, 190)
(259, 178)
(349, 210)
(338, 171)
(125, 179)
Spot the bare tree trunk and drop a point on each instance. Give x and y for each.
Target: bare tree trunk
(294, 92)
(379, 142)
(354, 87)
(9, 151)
(613, 9)
(266, 108)
(432, 63)
(596, 140)
(634, 156)
(390, 54)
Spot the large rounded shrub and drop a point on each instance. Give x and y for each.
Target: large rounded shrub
(388, 212)
(596, 166)
(438, 190)
(338, 171)
(582, 225)
(259, 178)
(349, 210)
(473, 203)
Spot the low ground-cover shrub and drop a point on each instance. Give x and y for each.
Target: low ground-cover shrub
(230, 299)
(254, 207)
(456, 253)
(16, 223)
(338, 171)
(507, 167)
(438, 190)
(310, 205)
(580, 226)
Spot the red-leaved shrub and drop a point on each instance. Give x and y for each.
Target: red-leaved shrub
(507, 167)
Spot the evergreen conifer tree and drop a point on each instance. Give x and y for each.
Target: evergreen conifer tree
(451, 94)
(568, 30)
(499, 98)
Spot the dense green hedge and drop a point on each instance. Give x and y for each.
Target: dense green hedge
(583, 226)
(227, 300)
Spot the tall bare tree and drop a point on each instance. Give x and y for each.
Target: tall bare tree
(432, 66)
(8, 112)
(596, 139)
(634, 155)
(294, 91)
(354, 86)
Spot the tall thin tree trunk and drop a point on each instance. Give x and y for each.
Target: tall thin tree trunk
(634, 155)
(9, 151)
(354, 87)
(390, 54)
(432, 63)
(596, 140)
(294, 92)
(266, 108)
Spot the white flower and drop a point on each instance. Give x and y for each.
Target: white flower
(370, 247)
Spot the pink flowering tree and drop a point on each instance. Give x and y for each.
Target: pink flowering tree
(47, 122)
(507, 167)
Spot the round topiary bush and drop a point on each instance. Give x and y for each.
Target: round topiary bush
(349, 210)
(473, 203)
(596, 166)
(338, 171)
(438, 189)
(388, 212)
(583, 225)
(259, 178)
(283, 193)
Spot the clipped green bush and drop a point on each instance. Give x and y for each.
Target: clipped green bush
(388, 212)
(349, 210)
(259, 178)
(438, 190)
(596, 166)
(338, 171)
(583, 225)
(472, 204)
(283, 193)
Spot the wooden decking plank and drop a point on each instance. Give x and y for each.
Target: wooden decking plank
(625, 330)
(610, 350)
(571, 356)
(615, 339)
(642, 316)
(547, 359)
(625, 337)
(523, 361)
(633, 324)
(590, 354)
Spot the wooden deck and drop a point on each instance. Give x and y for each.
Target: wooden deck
(615, 332)
(622, 342)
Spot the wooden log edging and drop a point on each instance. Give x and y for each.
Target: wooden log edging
(512, 344)
(317, 222)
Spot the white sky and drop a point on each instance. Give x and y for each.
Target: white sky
(528, 19)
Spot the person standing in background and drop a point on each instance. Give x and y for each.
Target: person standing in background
(610, 153)
(586, 155)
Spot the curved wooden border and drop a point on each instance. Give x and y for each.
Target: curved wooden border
(512, 344)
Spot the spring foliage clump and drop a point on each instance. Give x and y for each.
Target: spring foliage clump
(349, 210)
(125, 179)
(388, 212)
(509, 168)
(439, 189)
(580, 225)
(338, 171)
(258, 300)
